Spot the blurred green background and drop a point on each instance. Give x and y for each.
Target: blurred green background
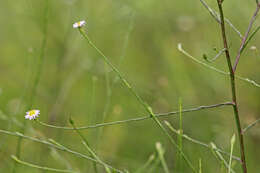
(140, 37)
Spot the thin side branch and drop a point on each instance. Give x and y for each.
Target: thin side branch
(245, 37)
(214, 68)
(40, 167)
(216, 16)
(251, 125)
(137, 119)
(195, 141)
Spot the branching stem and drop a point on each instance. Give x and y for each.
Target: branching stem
(244, 40)
(233, 88)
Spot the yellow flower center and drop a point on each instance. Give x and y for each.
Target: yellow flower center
(32, 112)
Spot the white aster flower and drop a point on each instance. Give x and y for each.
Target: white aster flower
(79, 24)
(32, 114)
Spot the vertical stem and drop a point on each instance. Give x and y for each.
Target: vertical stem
(233, 88)
(140, 100)
(36, 80)
(86, 144)
(179, 163)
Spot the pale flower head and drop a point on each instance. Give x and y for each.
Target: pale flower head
(32, 114)
(79, 24)
(253, 48)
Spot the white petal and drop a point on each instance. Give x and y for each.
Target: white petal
(75, 25)
(79, 24)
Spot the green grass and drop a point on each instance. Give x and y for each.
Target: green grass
(47, 65)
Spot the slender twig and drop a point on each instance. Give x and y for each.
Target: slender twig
(86, 144)
(218, 54)
(245, 37)
(216, 69)
(233, 88)
(195, 141)
(250, 38)
(58, 146)
(147, 108)
(251, 125)
(40, 167)
(216, 16)
(137, 119)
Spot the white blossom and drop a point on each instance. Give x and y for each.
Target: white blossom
(32, 114)
(79, 24)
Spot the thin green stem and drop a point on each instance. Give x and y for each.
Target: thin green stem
(86, 144)
(96, 157)
(251, 125)
(57, 146)
(216, 69)
(137, 119)
(40, 167)
(36, 80)
(250, 38)
(130, 88)
(124, 81)
(200, 166)
(243, 42)
(180, 136)
(220, 157)
(216, 16)
(195, 141)
(233, 88)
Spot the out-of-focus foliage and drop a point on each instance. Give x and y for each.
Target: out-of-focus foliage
(140, 37)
